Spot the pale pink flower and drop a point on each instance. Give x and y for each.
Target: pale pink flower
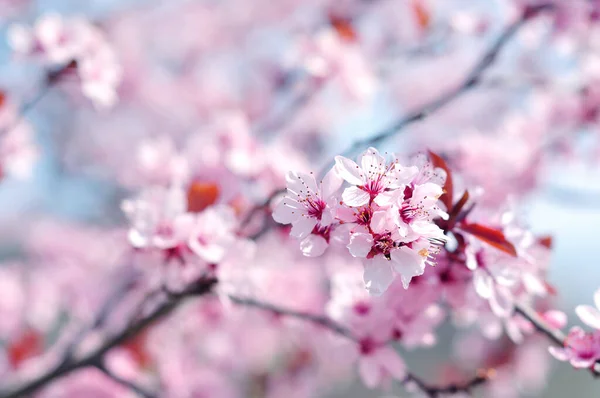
(158, 217)
(59, 41)
(372, 177)
(213, 233)
(385, 255)
(581, 349)
(590, 315)
(101, 75)
(51, 37)
(379, 364)
(416, 209)
(308, 206)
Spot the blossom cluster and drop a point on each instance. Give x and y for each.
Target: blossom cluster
(195, 287)
(72, 43)
(581, 348)
(384, 216)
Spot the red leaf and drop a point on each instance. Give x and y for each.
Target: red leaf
(200, 195)
(546, 241)
(422, 14)
(2, 98)
(136, 346)
(343, 27)
(447, 197)
(490, 236)
(27, 345)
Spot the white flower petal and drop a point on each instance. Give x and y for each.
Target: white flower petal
(558, 353)
(378, 275)
(330, 184)
(349, 171)
(483, 284)
(501, 301)
(380, 222)
(313, 245)
(284, 213)
(360, 244)
(588, 315)
(372, 162)
(391, 361)
(302, 227)
(407, 263)
(369, 372)
(354, 196)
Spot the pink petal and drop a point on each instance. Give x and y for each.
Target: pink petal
(588, 315)
(582, 363)
(380, 222)
(313, 245)
(286, 211)
(210, 252)
(501, 301)
(483, 284)
(302, 227)
(310, 183)
(372, 162)
(378, 275)
(354, 197)
(389, 359)
(360, 244)
(558, 353)
(369, 372)
(349, 171)
(556, 319)
(330, 184)
(407, 263)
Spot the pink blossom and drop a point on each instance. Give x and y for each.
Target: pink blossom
(308, 206)
(158, 217)
(581, 349)
(378, 365)
(212, 233)
(372, 177)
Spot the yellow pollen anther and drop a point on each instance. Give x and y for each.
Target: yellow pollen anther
(424, 253)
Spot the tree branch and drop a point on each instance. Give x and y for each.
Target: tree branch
(125, 383)
(201, 287)
(472, 80)
(322, 320)
(555, 335)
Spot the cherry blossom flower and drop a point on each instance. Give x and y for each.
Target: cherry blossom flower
(378, 365)
(158, 217)
(212, 233)
(372, 177)
(308, 206)
(582, 349)
(60, 41)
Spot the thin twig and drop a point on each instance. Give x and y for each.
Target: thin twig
(555, 335)
(317, 319)
(95, 357)
(328, 323)
(125, 383)
(472, 80)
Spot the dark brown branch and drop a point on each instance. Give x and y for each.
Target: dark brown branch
(95, 357)
(125, 383)
(435, 391)
(326, 322)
